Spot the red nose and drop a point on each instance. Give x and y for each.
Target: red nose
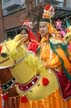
(45, 81)
(24, 99)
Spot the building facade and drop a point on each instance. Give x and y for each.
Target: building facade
(1, 24)
(13, 12)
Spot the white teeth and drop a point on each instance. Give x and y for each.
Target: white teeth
(32, 82)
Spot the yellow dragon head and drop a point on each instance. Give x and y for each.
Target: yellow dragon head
(35, 82)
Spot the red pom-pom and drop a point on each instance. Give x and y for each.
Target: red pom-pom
(24, 99)
(45, 81)
(0, 49)
(33, 46)
(5, 97)
(47, 7)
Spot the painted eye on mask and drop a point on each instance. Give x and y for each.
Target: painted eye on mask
(4, 54)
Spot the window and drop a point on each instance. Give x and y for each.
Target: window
(60, 3)
(68, 4)
(11, 6)
(4, 1)
(13, 32)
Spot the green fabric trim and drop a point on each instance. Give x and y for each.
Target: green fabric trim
(64, 47)
(38, 50)
(62, 62)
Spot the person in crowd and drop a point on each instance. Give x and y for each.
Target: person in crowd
(30, 42)
(54, 55)
(58, 25)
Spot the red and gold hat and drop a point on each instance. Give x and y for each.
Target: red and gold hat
(48, 11)
(27, 23)
(47, 15)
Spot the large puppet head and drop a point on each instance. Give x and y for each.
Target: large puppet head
(35, 82)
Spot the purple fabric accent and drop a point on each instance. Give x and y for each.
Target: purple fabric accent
(65, 85)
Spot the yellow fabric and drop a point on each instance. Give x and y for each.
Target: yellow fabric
(67, 64)
(26, 67)
(52, 30)
(52, 62)
(37, 91)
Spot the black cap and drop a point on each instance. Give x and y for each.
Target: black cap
(45, 20)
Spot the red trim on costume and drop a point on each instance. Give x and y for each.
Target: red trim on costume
(64, 85)
(28, 85)
(0, 48)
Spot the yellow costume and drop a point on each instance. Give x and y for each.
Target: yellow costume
(54, 53)
(51, 60)
(28, 70)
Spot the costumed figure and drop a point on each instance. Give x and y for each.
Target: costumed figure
(54, 53)
(30, 39)
(31, 44)
(67, 38)
(58, 25)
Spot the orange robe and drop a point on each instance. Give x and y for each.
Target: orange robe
(53, 101)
